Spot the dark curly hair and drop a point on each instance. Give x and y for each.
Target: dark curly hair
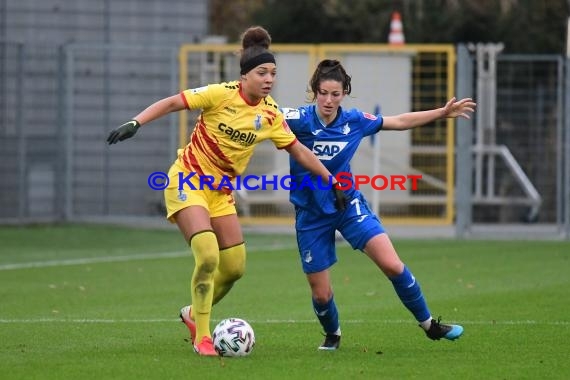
(329, 69)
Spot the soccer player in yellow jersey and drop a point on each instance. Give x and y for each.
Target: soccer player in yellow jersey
(236, 116)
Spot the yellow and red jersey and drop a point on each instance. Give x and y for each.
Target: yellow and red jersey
(228, 129)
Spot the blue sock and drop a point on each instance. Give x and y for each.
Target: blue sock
(327, 315)
(410, 293)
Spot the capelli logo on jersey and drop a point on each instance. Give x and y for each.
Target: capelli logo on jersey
(242, 138)
(327, 150)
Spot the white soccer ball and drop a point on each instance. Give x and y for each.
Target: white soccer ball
(233, 337)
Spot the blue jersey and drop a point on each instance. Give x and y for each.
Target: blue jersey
(334, 145)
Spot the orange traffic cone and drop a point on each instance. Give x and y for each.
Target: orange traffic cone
(396, 36)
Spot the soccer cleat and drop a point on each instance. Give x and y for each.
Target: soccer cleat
(439, 330)
(188, 321)
(331, 343)
(205, 347)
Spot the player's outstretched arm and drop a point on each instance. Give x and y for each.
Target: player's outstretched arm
(452, 109)
(154, 111)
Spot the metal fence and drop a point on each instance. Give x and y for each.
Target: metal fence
(513, 167)
(58, 105)
(31, 134)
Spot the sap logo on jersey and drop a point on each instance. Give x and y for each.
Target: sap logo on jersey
(327, 150)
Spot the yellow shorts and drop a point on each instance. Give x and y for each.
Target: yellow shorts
(217, 203)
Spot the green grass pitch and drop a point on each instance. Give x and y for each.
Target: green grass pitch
(98, 302)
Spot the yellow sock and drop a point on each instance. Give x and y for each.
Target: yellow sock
(206, 255)
(230, 269)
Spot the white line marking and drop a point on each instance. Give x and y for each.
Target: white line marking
(275, 321)
(92, 260)
(123, 258)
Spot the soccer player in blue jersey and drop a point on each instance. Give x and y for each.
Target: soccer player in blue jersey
(334, 134)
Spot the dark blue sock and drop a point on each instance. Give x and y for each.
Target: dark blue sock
(410, 293)
(328, 315)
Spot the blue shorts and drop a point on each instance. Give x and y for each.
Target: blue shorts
(316, 233)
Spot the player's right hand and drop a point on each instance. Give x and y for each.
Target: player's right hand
(124, 132)
(340, 199)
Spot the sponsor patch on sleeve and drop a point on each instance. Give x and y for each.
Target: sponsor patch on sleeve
(369, 116)
(198, 89)
(291, 113)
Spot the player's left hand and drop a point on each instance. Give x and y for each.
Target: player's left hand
(340, 200)
(459, 108)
